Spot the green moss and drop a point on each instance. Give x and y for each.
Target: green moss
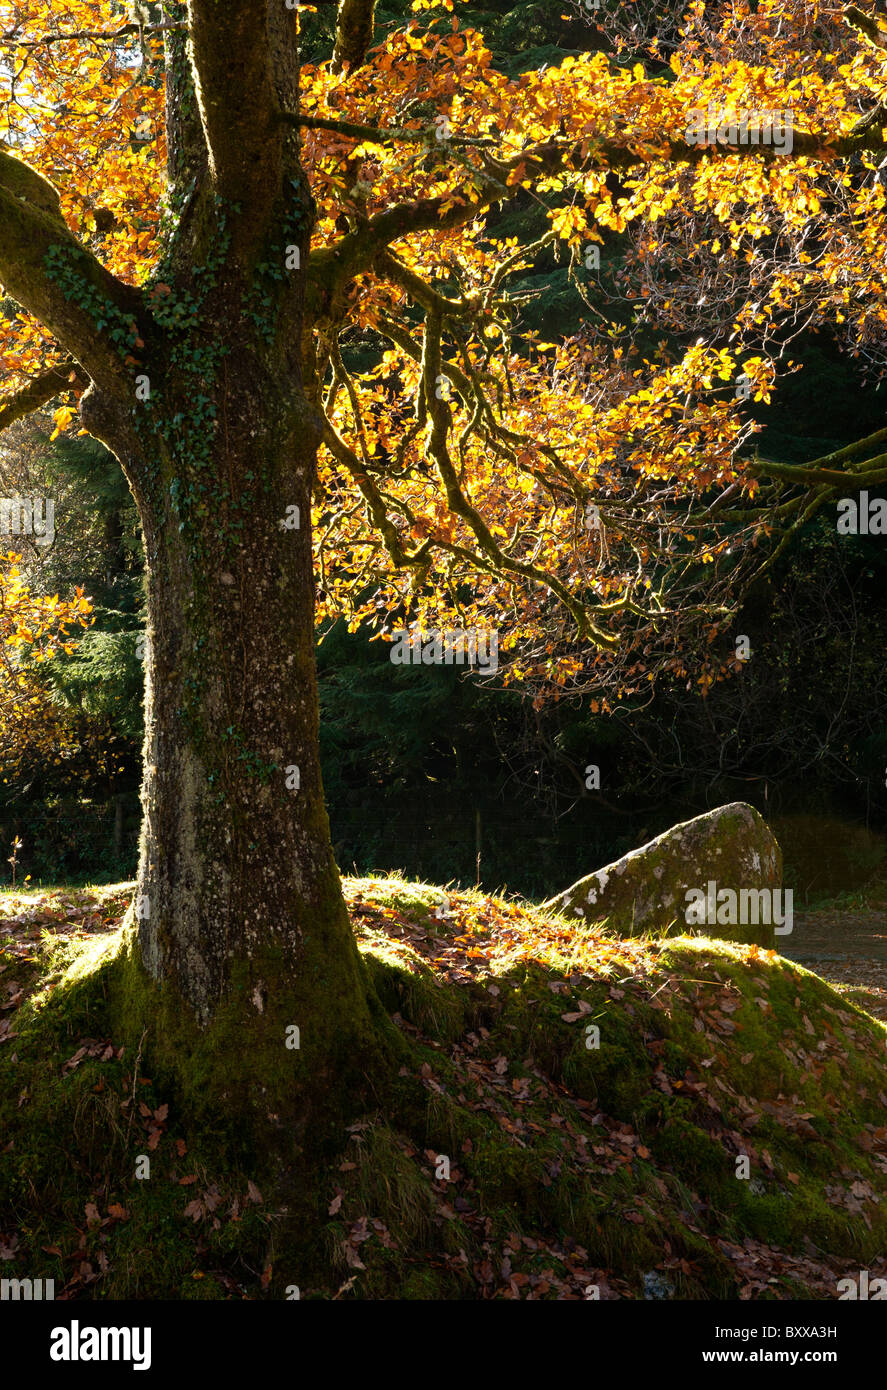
(271, 1061)
(418, 996)
(565, 1159)
(682, 1145)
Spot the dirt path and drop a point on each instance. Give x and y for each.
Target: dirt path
(847, 948)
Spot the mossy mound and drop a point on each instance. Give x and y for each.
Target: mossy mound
(573, 1112)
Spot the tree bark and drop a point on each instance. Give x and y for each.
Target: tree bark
(239, 908)
(246, 957)
(242, 966)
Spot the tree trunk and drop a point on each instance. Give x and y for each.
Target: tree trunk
(235, 857)
(245, 975)
(239, 911)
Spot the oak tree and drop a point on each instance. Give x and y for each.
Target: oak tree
(276, 289)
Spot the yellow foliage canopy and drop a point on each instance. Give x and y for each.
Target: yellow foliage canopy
(565, 491)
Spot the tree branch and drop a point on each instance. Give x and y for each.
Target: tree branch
(849, 450)
(354, 33)
(554, 155)
(388, 267)
(238, 49)
(64, 376)
(557, 155)
(47, 270)
(10, 41)
(459, 504)
(379, 135)
(332, 267)
(375, 503)
(866, 24)
(871, 472)
(493, 432)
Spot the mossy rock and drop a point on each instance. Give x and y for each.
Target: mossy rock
(647, 890)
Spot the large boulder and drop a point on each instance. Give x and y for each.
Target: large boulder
(717, 875)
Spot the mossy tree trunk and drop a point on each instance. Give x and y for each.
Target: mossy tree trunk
(201, 384)
(235, 853)
(239, 908)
